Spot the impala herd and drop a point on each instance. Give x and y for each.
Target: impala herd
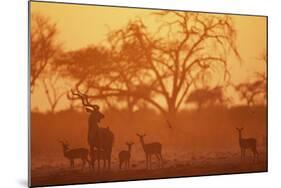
(101, 141)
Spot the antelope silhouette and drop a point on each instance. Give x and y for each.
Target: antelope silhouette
(247, 143)
(124, 156)
(150, 149)
(77, 153)
(99, 138)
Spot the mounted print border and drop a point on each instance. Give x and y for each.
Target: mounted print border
(128, 93)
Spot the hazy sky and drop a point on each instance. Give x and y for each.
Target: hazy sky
(80, 26)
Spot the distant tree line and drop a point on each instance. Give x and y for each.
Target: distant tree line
(184, 60)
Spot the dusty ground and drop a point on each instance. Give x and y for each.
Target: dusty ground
(221, 163)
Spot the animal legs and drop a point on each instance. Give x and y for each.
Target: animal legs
(93, 164)
(72, 163)
(255, 155)
(159, 162)
(161, 158)
(98, 157)
(109, 161)
(92, 158)
(88, 161)
(83, 162)
(146, 161)
(243, 151)
(120, 164)
(150, 165)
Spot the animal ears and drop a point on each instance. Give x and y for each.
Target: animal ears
(64, 141)
(140, 135)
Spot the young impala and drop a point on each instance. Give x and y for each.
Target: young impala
(72, 154)
(125, 155)
(247, 143)
(154, 148)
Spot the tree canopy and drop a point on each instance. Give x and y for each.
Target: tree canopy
(188, 50)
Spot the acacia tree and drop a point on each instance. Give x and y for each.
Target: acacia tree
(207, 96)
(161, 65)
(251, 92)
(167, 63)
(43, 46)
(98, 70)
(88, 68)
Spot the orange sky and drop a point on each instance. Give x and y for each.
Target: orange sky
(80, 26)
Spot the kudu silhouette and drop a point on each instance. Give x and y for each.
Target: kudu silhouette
(124, 156)
(72, 154)
(247, 143)
(154, 148)
(99, 138)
